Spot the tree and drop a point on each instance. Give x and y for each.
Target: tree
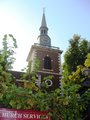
(75, 54)
(80, 79)
(74, 61)
(6, 61)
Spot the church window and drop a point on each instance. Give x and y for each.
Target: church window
(47, 63)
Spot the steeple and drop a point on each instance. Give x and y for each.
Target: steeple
(43, 38)
(43, 29)
(43, 24)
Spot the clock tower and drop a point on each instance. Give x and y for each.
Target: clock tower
(49, 57)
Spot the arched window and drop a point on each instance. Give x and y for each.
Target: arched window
(47, 63)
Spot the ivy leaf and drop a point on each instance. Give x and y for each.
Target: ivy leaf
(87, 61)
(12, 102)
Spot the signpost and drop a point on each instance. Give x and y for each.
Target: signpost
(14, 114)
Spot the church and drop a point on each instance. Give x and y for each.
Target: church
(49, 57)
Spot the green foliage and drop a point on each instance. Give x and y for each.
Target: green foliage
(87, 61)
(6, 54)
(73, 67)
(6, 61)
(75, 54)
(65, 104)
(77, 103)
(77, 76)
(18, 98)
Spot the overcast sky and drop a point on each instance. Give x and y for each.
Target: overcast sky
(22, 18)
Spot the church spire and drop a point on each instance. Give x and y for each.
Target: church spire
(43, 38)
(43, 24)
(43, 29)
